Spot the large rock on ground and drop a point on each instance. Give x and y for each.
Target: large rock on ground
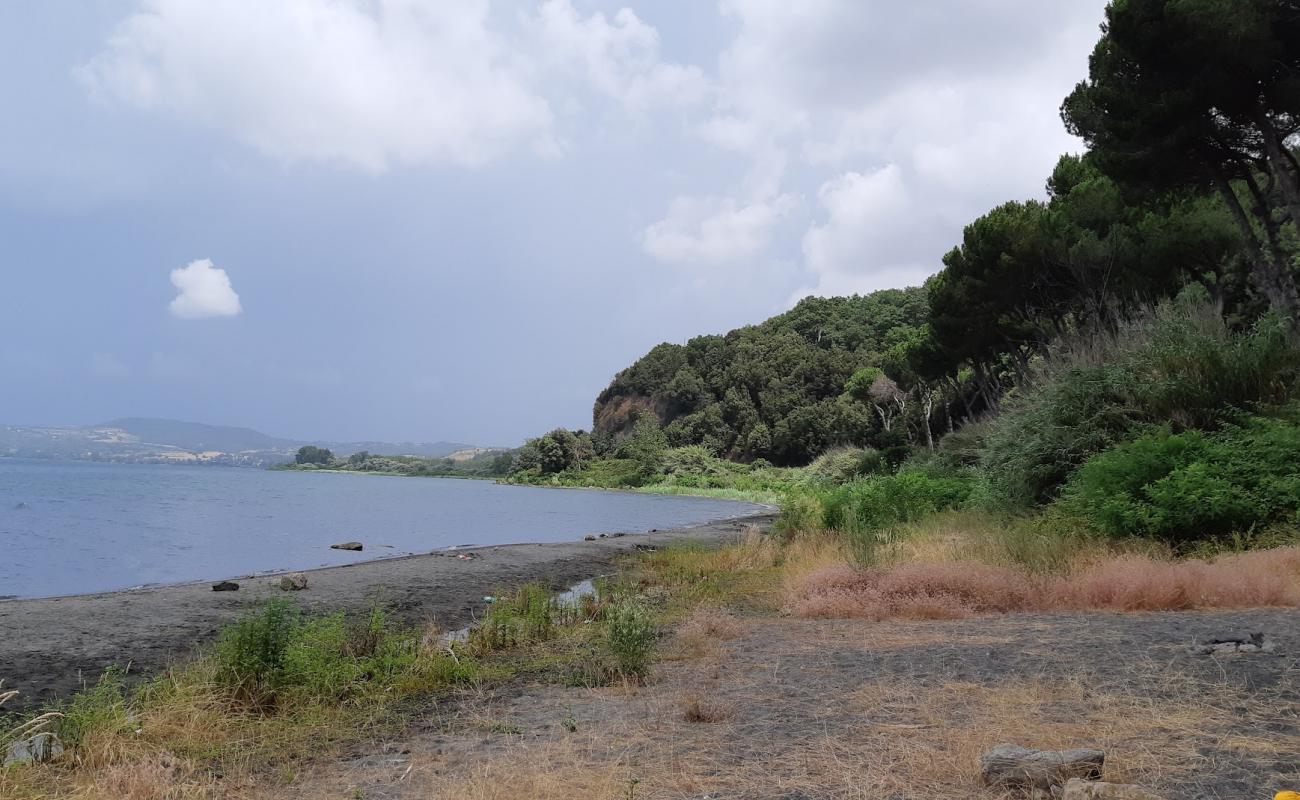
(1012, 766)
(293, 582)
(1076, 789)
(39, 747)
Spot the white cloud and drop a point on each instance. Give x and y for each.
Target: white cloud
(619, 57)
(908, 143)
(714, 230)
(366, 84)
(375, 84)
(862, 245)
(205, 291)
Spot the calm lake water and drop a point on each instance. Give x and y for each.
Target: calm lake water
(77, 527)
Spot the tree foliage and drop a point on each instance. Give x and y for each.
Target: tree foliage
(774, 390)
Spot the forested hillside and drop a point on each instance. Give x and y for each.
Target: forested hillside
(1122, 351)
(775, 390)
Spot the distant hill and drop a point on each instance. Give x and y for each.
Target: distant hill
(196, 436)
(149, 439)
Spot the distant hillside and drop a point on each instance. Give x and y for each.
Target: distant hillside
(147, 439)
(773, 390)
(196, 436)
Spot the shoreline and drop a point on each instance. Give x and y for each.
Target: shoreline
(55, 645)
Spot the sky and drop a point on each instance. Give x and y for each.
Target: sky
(418, 220)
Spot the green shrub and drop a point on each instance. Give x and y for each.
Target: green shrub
(1192, 486)
(843, 464)
(276, 653)
(873, 503)
(630, 635)
(99, 708)
(250, 652)
(1182, 366)
(693, 460)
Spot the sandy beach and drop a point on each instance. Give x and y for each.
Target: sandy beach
(51, 646)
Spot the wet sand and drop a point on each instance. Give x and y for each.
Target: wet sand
(49, 647)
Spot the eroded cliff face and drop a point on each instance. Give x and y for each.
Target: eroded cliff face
(615, 415)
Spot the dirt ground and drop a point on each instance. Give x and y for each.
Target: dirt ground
(50, 647)
(798, 709)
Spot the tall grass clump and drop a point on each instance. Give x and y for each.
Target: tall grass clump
(1180, 364)
(630, 636)
(528, 615)
(844, 464)
(277, 655)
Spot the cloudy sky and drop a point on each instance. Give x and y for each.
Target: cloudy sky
(417, 219)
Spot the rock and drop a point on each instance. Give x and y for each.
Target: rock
(293, 582)
(347, 546)
(225, 586)
(1076, 789)
(1012, 766)
(40, 747)
(1235, 643)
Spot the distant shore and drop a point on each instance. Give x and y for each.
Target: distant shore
(55, 645)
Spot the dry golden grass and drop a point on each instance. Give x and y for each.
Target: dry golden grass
(961, 564)
(703, 709)
(702, 631)
(892, 738)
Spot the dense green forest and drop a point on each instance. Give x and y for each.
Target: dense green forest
(1122, 351)
(774, 391)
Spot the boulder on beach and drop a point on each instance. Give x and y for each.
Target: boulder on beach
(293, 582)
(346, 546)
(1013, 767)
(225, 586)
(1076, 789)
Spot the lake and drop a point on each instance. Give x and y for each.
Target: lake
(79, 527)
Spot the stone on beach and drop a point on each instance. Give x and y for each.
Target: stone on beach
(42, 746)
(1012, 766)
(346, 546)
(1076, 789)
(293, 582)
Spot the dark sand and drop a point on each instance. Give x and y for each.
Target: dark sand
(49, 647)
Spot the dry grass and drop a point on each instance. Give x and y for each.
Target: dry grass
(963, 564)
(700, 634)
(753, 734)
(699, 709)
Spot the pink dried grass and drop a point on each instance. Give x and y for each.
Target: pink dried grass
(1141, 583)
(911, 591)
(1120, 583)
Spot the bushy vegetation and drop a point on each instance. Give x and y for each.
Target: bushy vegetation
(774, 391)
(1181, 487)
(1180, 365)
(486, 464)
(278, 655)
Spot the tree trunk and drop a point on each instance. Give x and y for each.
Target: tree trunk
(1280, 165)
(927, 408)
(1268, 276)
